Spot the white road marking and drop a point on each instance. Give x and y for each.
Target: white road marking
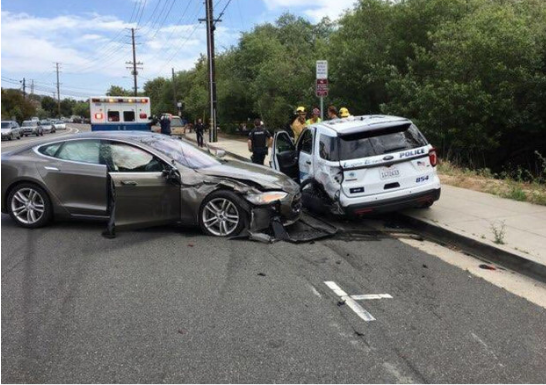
(316, 292)
(359, 297)
(359, 310)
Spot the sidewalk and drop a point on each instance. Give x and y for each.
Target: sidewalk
(470, 217)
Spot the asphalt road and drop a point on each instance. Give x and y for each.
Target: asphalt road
(172, 305)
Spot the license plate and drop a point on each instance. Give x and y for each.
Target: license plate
(389, 172)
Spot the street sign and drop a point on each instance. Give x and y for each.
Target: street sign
(322, 87)
(322, 69)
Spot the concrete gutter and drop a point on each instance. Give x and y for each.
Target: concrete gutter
(480, 250)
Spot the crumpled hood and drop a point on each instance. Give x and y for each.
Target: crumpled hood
(266, 177)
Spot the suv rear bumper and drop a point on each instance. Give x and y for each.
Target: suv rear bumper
(394, 204)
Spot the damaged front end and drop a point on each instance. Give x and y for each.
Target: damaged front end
(321, 193)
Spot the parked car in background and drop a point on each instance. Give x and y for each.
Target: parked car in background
(10, 130)
(362, 164)
(32, 127)
(59, 125)
(155, 179)
(47, 126)
(35, 119)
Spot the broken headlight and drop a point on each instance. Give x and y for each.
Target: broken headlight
(266, 197)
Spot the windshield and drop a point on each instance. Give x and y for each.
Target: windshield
(44, 122)
(28, 123)
(5, 125)
(183, 153)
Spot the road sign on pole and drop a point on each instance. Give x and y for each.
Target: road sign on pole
(322, 87)
(322, 83)
(322, 69)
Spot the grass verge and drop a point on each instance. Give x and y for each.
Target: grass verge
(485, 181)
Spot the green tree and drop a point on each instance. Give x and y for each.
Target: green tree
(118, 91)
(15, 106)
(81, 109)
(49, 105)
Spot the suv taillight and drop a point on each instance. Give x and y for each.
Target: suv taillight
(433, 158)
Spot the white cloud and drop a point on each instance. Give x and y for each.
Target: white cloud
(314, 9)
(97, 46)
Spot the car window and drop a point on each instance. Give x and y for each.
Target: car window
(6, 125)
(128, 116)
(307, 142)
(123, 157)
(49, 149)
(86, 151)
(327, 147)
(113, 116)
(283, 143)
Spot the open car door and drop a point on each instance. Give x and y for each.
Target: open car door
(145, 199)
(284, 156)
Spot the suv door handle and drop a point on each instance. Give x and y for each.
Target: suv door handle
(128, 183)
(307, 162)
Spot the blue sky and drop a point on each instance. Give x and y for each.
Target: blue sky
(91, 39)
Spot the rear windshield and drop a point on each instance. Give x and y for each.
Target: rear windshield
(366, 144)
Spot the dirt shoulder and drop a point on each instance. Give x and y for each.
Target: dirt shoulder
(506, 188)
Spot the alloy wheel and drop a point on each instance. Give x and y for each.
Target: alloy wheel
(27, 205)
(221, 217)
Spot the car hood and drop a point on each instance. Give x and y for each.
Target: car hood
(6, 129)
(250, 173)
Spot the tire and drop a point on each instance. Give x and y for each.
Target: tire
(40, 212)
(221, 214)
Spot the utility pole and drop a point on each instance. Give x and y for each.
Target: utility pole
(58, 92)
(32, 87)
(134, 63)
(23, 83)
(213, 134)
(174, 93)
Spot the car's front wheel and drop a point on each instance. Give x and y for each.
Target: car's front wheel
(29, 206)
(221, 214)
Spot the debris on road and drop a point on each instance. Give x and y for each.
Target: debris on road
(487, 267)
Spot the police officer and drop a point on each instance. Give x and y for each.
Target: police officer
(165, 124)
(200, 132)
(259, 140)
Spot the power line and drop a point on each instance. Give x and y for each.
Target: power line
(176, 49)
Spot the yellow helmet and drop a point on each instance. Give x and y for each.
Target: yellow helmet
(343, 112)
(300, 109)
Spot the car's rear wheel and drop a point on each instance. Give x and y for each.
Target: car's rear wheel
(29, 206)
(221, 214)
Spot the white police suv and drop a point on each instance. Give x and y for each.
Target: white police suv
(362, 164)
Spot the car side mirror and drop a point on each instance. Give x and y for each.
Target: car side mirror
(172, 175)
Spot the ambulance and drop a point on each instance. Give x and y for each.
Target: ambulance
(120, 113)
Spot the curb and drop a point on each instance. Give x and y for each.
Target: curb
(468, 245)
(477, 249)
